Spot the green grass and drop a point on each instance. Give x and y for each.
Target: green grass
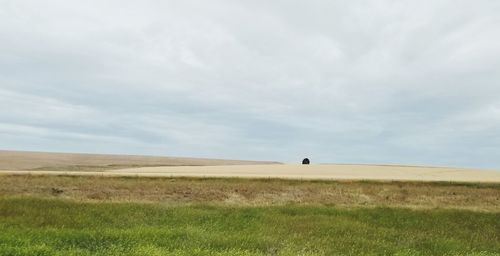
(30, 226)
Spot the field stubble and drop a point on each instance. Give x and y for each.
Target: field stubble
(256, 192)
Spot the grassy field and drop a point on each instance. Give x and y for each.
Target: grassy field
(59, 215)
(256, 192)
(33, 226)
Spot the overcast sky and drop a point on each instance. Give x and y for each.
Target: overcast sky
(412, 82)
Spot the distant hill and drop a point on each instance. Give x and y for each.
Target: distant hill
(26, 160)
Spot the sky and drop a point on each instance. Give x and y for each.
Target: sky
(397, 82)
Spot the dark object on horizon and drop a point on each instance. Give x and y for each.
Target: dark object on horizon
(305, 161)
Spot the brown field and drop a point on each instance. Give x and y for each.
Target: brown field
(256, 192)
(24, 160)
(281, 171)
(321, 172)
(36, 163)
(86, 177)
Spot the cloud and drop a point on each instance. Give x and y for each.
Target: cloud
(337, 81)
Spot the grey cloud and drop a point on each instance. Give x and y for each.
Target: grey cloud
(338, 81)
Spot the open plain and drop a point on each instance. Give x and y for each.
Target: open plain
(72, 204)
(27, 160)
(115, 165)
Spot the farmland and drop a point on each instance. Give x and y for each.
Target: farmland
(67, 214)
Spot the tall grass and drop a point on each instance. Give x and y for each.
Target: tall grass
(30, 226)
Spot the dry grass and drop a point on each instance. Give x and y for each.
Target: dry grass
(259, 192)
